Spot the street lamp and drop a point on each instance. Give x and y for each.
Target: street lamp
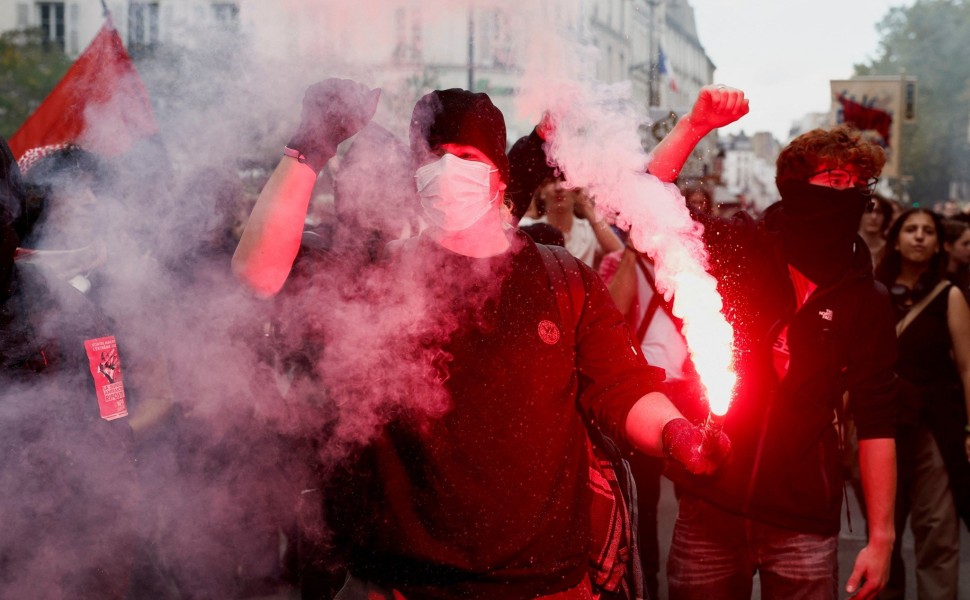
(652, 90)
(471, 48)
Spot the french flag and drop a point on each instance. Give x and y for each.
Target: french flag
(664, 69)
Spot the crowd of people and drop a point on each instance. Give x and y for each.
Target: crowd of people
(444, 388)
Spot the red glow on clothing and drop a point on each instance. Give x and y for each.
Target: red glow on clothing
(781, 355)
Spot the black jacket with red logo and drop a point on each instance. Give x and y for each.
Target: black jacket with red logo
(489, 499)
(786, 463)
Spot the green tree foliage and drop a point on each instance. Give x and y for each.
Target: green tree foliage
(929, 40)
(29, 70)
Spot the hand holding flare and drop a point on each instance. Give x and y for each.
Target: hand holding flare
(701, 449)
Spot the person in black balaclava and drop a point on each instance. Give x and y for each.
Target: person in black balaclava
(823, 195)
(810, 324)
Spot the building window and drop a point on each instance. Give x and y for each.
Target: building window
(52, 22)
(142, 28)
(226, 14)
(22, 12)
(496, 40)
(407, 49)
(73, 45)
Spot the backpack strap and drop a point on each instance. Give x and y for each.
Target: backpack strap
(657, 301)
(918, 308)
(567, 284)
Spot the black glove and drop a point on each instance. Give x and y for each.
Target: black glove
(333, 110)
(700, 450)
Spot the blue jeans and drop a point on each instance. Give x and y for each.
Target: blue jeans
(715, 554)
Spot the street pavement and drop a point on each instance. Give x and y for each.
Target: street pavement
(849, 545)
(850, 542)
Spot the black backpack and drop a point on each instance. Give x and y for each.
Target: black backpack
(615, 568)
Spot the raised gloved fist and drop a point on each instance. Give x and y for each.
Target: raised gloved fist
(699, 450)
(333, 111)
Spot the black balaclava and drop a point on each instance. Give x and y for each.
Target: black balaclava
(819, 228)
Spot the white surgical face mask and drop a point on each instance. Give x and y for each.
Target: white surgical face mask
(454, 192)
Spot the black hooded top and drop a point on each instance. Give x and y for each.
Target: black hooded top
(785, 468)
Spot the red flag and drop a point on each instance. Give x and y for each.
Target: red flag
(100, 103)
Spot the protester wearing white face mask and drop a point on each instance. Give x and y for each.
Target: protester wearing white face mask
(491, 498)
(455, 192)
(462, 173)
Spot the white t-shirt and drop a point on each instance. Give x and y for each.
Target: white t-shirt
(581, 241)
(663, 346)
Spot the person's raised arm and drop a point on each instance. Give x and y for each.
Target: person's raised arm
(716, 106)
(271, 239)
(605, 236)
(333, 111)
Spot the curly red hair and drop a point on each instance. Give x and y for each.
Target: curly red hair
(837, 147)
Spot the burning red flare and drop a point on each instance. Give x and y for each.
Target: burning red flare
(596, 146)
(710, 338)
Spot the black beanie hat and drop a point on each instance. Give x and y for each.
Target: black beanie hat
(458, 116)
(530, 170)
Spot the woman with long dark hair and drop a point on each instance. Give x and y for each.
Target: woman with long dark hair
(957, 246)
(933, 440)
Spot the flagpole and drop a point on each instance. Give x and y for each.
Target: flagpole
(652, 75)
(104, 7)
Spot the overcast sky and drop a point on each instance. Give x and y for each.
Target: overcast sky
(783, 53)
